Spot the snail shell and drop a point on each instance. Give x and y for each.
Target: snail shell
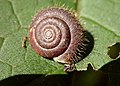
(56, 34)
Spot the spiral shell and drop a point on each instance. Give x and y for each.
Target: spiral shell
(56, 34)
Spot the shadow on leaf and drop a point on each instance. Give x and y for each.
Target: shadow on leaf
(36, 80)
(113, 69)
(76, 78)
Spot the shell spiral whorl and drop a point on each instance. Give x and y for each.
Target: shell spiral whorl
(55, 32)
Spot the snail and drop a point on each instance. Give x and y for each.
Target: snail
(55, 33)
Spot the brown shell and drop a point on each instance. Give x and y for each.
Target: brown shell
(56, 34)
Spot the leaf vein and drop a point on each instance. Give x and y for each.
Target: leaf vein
(13, 10)
(100, 25)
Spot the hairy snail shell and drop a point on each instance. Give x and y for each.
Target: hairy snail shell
(56, 34)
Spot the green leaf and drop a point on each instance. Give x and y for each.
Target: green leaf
(15, 17)
(100, 18)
